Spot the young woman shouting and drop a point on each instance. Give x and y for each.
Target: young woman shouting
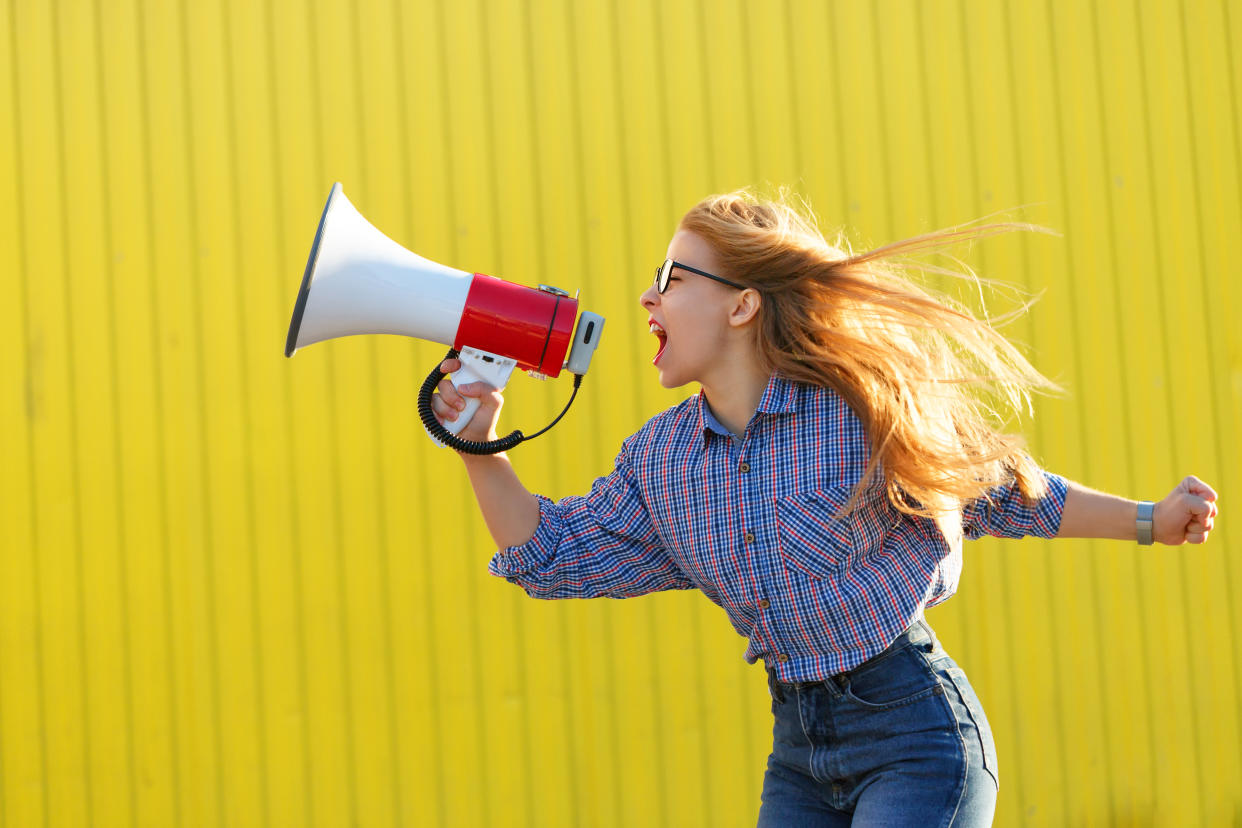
(818, 488)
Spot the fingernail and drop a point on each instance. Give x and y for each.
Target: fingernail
(460, 405)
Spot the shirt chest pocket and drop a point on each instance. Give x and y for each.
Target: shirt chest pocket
(812, 538)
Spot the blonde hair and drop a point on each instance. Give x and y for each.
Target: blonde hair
(928, 379)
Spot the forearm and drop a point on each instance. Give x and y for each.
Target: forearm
(1092, 514)
(510, 511)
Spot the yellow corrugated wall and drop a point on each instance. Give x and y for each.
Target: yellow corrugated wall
(237, 589)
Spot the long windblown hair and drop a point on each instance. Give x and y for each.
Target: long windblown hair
(932, 383)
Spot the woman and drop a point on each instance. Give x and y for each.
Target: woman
(818, 489)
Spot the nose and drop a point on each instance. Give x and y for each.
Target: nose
(649, 297)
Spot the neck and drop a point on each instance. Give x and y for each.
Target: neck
(734, 397)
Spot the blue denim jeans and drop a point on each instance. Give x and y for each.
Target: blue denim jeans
(900, 740)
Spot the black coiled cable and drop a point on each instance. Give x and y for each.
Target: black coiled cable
(438, 431)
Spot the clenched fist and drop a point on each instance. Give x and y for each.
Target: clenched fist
(1186, 515)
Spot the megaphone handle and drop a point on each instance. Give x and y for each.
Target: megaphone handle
(478, 366)
(437, 431)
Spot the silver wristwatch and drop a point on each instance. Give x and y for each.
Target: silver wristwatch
(1143, 523)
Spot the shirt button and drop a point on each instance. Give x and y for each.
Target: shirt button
(782, 658)
(749, 537)
(764, 603)
(744, 467)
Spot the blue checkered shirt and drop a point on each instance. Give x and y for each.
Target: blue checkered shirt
(751, 523)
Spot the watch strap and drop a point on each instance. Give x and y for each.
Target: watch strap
(1143, 523)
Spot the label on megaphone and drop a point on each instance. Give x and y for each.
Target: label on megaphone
(476, 366)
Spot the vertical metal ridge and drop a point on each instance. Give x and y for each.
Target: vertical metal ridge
(160, 436)
(628, 263)
(1127, 426)
(122, 544)
(1080, 420)
(1158, 258)
(36, 569)
(334, 448)
(699, 666)
(886, 146)
(794, 102)
(748, 91)
(228, 54)
(285, 398)
(433, 648)
(1231, 600)
(968, 640)
(453, 209)
(1188, 600)
(518, 618)
(200, 369)
(1011, 670)
(407, 205)
(384, 544)
(377, 506)
(540, 247)
(581, 211)
(661, 73)
(72, 438)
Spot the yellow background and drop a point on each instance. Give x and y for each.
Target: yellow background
(237, 589)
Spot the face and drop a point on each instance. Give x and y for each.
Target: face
(690, 319)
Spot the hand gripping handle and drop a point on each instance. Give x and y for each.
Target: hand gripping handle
(443, 435)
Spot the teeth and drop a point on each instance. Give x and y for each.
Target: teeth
(656, 329)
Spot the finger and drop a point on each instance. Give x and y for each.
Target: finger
(448, 366)
(476, 389)
(1197, 537)
(1199, 507)
(1195, 527)
(1197, 487)
(450, 395)
(442, 410)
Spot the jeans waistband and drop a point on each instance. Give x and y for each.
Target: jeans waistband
(918, 632)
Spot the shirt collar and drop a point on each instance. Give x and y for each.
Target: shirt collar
(778, 398)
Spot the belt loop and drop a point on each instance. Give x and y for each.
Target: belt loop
(935, 642)
(774, 686)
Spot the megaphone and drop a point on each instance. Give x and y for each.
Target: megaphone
(359, 281)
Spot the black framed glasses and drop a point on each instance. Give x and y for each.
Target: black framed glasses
(664, 271)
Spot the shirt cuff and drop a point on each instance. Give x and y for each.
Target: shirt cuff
(1046, 519)
(515, 561)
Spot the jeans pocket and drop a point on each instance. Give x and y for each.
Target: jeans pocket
(894, 680)
(977, 719)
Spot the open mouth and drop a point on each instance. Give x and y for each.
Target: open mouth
(660, 335)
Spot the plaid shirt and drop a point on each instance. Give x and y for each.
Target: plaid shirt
(752, 525)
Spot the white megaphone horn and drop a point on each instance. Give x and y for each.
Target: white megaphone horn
(359, 281)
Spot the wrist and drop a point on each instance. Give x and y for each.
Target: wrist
(482, 461)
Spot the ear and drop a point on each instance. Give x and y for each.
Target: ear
(745, 308)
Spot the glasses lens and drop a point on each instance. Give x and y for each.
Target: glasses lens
(662, 274)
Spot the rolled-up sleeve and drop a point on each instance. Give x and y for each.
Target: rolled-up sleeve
(1004, 513)
(602, 544)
